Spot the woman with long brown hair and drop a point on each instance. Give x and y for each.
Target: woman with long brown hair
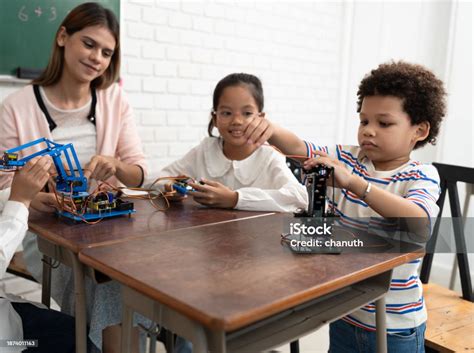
(77, 100)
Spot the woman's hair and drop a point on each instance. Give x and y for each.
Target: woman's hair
(251, 82)
(422, 93)
(82, 16)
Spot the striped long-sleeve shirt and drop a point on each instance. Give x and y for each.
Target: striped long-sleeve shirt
(413, 181)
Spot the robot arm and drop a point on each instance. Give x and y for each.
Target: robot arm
(71, 184)
(68, 179)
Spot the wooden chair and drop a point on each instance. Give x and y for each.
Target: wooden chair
(450, 318)
(18, 268)
(450, 323)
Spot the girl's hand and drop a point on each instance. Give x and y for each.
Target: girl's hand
(342, 177)
(214, 194)
(101, 168)
(176, 196)
(258, 131)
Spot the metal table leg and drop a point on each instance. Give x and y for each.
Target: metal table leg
(127, 317)
(46, 282)
(80, 303)
(381, 324)
(169, 341)
(216, 341)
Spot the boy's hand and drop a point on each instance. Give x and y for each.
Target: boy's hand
(28, 181)
(342, 177)
(214, 194)
(258, 131)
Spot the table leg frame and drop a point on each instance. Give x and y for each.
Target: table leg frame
(80, 303)
(381, 323)
(71, 259)
(277, 330)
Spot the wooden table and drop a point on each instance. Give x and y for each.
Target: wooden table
(234, 287)
(62, 240)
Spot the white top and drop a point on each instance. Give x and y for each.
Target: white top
(262, 180)
(13, 225)
(73, 125)
(414, 181)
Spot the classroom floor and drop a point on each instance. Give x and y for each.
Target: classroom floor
(318, 342)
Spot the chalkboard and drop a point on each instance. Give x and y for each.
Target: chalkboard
(27, 29)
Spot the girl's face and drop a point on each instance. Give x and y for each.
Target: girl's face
(236, 109)
(87, 53)
(386, 134)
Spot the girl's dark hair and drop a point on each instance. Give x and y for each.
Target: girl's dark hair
(82, 16)
(253, 84)
(422, 93)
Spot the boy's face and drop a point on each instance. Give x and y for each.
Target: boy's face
(386, 134)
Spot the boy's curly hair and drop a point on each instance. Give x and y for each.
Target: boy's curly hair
(422, 93)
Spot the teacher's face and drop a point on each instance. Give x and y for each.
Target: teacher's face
(87, 53)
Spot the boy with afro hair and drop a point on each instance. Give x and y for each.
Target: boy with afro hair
(400, 108)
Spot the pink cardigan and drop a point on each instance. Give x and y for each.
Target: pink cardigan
(21, 121)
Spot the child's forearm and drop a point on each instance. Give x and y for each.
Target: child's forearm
(383, 202)
(287, 142)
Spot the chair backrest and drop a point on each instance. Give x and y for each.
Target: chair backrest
(449, 176)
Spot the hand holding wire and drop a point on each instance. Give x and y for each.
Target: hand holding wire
(214, 194)
(172, 195)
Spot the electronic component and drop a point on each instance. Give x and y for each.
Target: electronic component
(316, 215)
(71, 184)
(183, 187)
(316, 185)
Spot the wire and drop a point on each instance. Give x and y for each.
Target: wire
(159, 199)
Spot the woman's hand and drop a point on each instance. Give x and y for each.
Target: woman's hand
(44, 202)
(342, 177)
(214, 194)
(101, 168)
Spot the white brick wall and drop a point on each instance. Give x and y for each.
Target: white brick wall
(174, 53)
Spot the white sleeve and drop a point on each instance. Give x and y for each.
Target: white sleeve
(186, 165)
(13, 226)
(282, 192)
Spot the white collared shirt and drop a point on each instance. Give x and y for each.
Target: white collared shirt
(13, 225)
(262, 180)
